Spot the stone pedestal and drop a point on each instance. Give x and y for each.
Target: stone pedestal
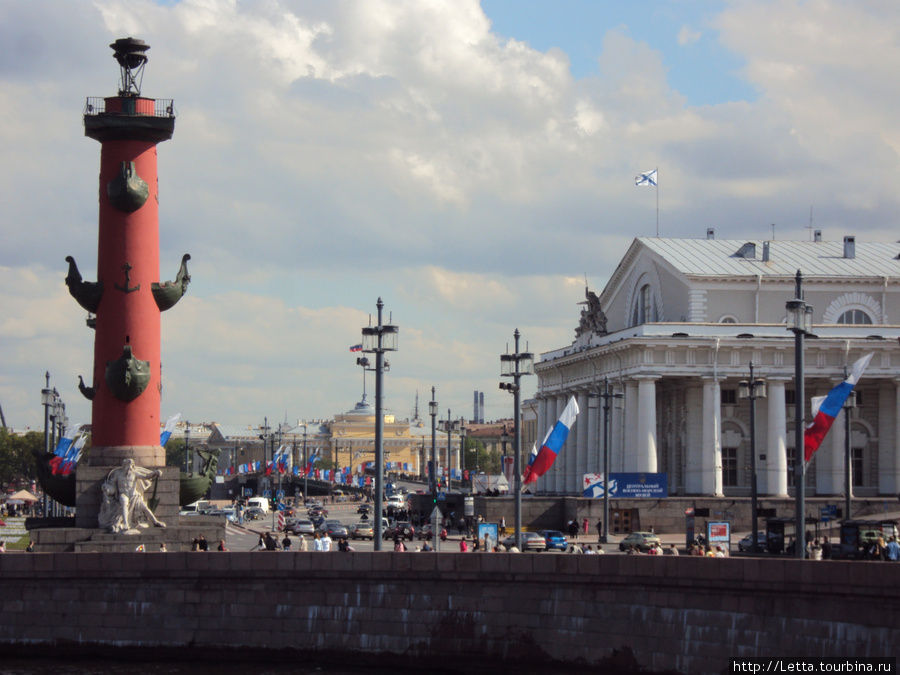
(88, 495)
(177, 537)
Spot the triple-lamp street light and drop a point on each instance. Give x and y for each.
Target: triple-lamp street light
(450, 425)
(432, 474)
(378, 340)
(515, 365)
(606, 395)
(55, 410)
(751, 390)
(799, 321)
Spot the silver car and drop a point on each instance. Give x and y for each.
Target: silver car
(300, 526)
(531, 541)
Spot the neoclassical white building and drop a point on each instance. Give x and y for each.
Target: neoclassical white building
(682, 319)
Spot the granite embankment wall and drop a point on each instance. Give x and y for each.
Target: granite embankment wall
(686, 614)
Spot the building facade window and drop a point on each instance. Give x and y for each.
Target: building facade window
(790, 466)
(856, 317)
(728, 396)
(856, 467)
(729, 467)
(643, 307)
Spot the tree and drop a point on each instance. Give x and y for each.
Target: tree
(482, 458)
(17, 463)
(175, 453)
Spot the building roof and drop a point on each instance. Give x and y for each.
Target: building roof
(723, 257)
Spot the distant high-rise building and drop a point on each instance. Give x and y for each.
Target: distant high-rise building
(478, 408)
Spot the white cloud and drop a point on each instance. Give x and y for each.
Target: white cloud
(326, 154)
(686, 36)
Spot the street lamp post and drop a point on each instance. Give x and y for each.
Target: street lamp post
(435, 525)
(849, 404)
(187, 447)
(462, 445)
(799, 317)
(751, 390)
(450, 426)
(378, 340)
(306, 466)
(515, 365)
(606, 395)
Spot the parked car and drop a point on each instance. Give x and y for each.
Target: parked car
(254, 513)
(334, 528)
(555, 540)
(362, 530)
(425, 532)
(401, 529)
(531, 541)
(300, 526)
(642, 541)
(746, 544)
(317, 521)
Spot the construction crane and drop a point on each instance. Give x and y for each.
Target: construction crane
(2, 418)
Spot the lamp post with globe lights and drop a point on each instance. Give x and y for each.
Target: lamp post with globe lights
(379, 339)
(516, 365)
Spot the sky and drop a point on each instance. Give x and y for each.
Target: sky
(470, 163)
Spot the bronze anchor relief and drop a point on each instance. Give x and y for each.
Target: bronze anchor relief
(128, 289)
(127, 377)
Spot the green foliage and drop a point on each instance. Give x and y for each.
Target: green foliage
(175, 453)
(17, 463)
(482, 458)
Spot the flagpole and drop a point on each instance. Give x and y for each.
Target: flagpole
(657, 202)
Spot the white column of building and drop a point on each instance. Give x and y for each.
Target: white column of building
(646, 426)
(590, 417)
(776, 441)
(693, 452)
(617, 435)
(711, 469)
(629, 450)
(888, 464)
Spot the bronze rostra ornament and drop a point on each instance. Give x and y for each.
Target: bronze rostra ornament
(86, 293)
(170, 292)
(86, 391)
(127, 377)
(127, 191)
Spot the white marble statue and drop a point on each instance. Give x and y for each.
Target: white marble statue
(123, 509)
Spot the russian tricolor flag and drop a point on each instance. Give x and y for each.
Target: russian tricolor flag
(826, 408)
(553, 443)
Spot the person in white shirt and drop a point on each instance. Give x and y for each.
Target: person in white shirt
(320, 545)
(326, 542)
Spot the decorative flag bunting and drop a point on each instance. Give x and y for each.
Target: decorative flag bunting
(66, 450)
(826, 408)
(553, 443)
(171, 423)
(647, 179)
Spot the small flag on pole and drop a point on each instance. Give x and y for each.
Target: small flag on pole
(647, 179)
(356, 348)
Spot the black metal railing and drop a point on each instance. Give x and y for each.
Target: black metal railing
(162, 107)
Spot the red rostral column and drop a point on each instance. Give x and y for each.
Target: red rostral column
(127, 298)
